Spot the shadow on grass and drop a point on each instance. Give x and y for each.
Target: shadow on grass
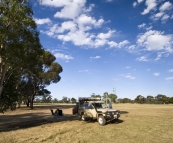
(124, 112)
(30, 122)
(107, 123)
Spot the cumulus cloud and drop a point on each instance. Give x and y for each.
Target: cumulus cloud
(142, 58)
(160, 10)
(154, 40)
(77, 25)
(109, 0)
(96, 57)
(151, 4)
(118, 45)
(169, 78)
(171, 70)
(156, 74)
(130, 77)
(142, 25)
(84, 71)
(134, 4)
(166, 6)
(42, 21)
(63, 56)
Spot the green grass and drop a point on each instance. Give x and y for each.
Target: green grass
(138, 123)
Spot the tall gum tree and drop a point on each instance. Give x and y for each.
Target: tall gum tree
(18, 38)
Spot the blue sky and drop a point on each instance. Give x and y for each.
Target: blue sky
(106, 44)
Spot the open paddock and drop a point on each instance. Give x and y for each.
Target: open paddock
(138, 123)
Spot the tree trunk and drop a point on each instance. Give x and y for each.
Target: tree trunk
(3, 68)
(32, 100)
(27, 102)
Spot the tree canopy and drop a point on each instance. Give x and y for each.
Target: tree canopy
(26, 68)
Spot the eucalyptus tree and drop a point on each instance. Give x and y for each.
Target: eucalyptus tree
(18, 37)
(20, 48)
(37, 80)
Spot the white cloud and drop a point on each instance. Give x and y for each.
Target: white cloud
(109, 0)
(71, 10)
(134, 4)
(96, 57)
(55, 3)
(156, 74)
(139, 1)
(131, 47)
(158, 15)
(118, 45)
(159, 55)
(42, 21)
(151, 4)
(142, 25)
(166, 6)
(155, 40)
(84, 20)
(105, 35)
(112, 44)
(142, 58)
(171, 70)
(84, 71)
(128, 67)
(169, 78)
(67, 26)
(165, 17)
(123, 43)
(63, 56)
(77, 29)
(130, 77)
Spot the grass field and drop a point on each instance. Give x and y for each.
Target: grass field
(138, 123)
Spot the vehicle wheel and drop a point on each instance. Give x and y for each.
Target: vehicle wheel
(101, 120)
(82, 117)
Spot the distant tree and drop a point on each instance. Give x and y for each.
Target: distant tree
(171, 100)
(73, 100)
(46, 98)
(140, 99)
(95, 96)
(111, 96)
(55, 100)
(160, 98)
(65, 99)
(150, 99)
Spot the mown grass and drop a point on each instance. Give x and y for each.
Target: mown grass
(138, 123)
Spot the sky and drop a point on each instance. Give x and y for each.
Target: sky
(102, 45)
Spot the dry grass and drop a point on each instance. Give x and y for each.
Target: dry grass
(138, 123)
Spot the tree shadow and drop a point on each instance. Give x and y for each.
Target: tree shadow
(124, 112)
(33, 121)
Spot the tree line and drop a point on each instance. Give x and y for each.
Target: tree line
(159, 99)
(26, 68)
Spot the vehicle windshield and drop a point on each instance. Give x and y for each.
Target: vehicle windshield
(100, 105)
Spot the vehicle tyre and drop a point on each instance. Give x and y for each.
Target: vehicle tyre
(82, 117)
(101, 120)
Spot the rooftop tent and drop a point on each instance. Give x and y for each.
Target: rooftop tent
(88, 99)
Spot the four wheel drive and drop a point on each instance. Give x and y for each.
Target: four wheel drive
(93, 108)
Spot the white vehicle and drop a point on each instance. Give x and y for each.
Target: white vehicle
(94, 108)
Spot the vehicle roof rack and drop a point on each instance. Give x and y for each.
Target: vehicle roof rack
(89, 99)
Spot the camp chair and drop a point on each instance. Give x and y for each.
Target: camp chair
(57, 114)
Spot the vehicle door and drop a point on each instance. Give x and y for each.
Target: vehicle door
(92, 111)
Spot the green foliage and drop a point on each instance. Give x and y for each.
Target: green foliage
(111, 96)
(73, 100)
(140, 99)
(95, 96)
(25, 67)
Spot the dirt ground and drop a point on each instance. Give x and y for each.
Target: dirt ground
(23, 117)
